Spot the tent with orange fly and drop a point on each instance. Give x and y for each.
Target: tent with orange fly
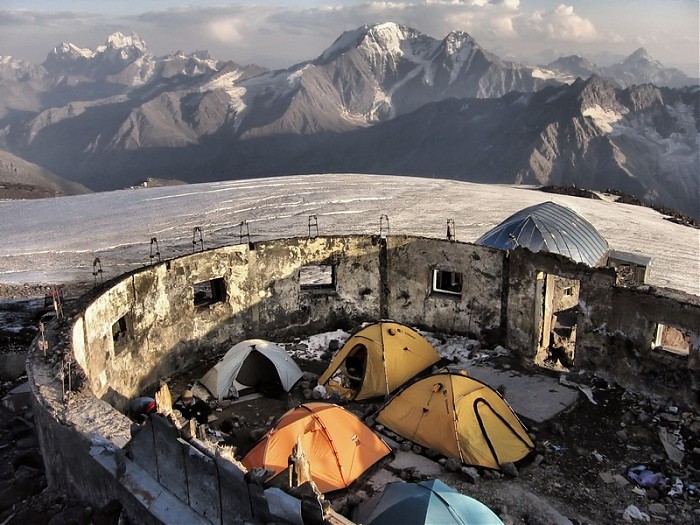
(339, 446)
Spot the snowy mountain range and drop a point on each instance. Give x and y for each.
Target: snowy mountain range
(383, 98)
(638, 68)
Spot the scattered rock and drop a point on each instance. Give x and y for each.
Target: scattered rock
(431, 453)
(470, 474)
(509, 469)
(453, 465)
(406, 446)
(257, 433)
(311, 377)
(355, 498)
(417, 449)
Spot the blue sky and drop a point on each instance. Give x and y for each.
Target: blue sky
(282, 32)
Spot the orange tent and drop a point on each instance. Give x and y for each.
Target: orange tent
(338, 445)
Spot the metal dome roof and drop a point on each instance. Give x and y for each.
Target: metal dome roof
(549, 227)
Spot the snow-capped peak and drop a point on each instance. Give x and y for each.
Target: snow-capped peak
(640, 58)
(387, 38)
(69, 50)
(119, 41)
(639, 54)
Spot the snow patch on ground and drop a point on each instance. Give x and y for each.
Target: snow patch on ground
(313, 348)
(546, 74)
(603, 118)
(54, 240)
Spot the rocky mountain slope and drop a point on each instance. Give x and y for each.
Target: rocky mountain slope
(642, 140)
(20, 179)
(381, 99)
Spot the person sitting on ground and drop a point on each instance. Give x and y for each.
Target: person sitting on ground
(191, 407)
(140, 408)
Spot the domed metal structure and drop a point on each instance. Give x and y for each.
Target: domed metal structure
(549, 227)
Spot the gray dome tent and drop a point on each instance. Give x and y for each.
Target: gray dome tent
(549, 227)
(249, 364)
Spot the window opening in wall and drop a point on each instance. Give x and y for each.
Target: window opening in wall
(672, 340)
(209, 292)
(447, 281)
(120, 333)
(317, 277)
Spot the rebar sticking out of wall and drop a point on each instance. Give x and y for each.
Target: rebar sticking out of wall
(451, 231)
(97, 270)
(313, 226)
(43, 344)
(382, 220)
(243, 231)
(197, 239)
(57, 300)
(155, 250)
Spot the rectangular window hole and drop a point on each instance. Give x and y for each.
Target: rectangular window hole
(673, 340)
(120, 333)
(317, 277)
(209, 292)
(447, 282)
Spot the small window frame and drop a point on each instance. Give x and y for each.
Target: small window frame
(121, 333)
(209, 292)
(447, 282)
(661, 329)
(309, 281)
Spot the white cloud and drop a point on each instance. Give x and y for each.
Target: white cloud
(226, 30)
(560, 23)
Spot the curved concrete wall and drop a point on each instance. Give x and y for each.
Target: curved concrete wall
(146, 325)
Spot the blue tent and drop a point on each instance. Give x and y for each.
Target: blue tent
(549, 227)
(424, 503)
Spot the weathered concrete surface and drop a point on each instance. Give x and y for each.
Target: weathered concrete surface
(535, 397)
(425, 466)
(172, 473)
(202, 482)
(476, 311)
(12, 365)
(142, 449)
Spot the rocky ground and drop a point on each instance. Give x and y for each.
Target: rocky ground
(624, 458)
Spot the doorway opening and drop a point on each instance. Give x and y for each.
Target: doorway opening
(556, 316)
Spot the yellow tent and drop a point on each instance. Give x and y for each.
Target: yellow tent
(377, 360)
(339, 446)
(460, 417)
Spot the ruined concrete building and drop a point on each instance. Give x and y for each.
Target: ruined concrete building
(161, 319)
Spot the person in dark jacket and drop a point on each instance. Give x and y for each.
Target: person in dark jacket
(191, 406)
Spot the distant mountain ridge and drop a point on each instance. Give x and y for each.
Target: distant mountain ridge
(638, 68)
(383, 98)
(20, 179)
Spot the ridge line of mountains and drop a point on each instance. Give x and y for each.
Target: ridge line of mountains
(383, 98)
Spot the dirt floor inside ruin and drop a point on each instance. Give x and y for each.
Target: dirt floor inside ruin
(578, 474)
